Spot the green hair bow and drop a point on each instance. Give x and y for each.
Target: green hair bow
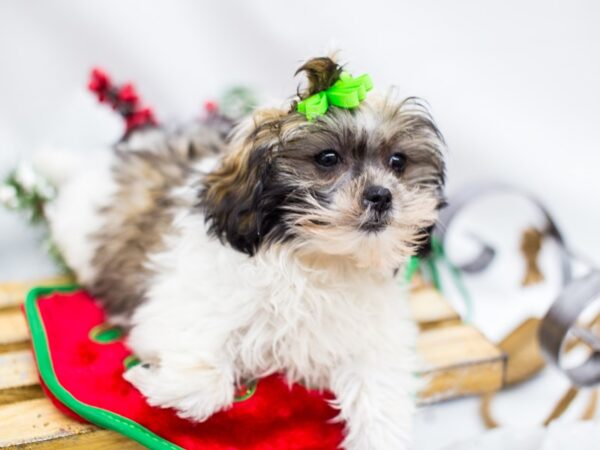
(347, 92)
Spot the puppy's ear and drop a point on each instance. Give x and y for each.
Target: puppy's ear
(231, 197)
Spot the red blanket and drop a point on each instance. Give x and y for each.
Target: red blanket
(81, 361)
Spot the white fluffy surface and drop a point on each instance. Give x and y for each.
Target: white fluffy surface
(558, 436)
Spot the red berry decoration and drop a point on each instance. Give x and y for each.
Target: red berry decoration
(211, 107)
(99, 83)
(123, 99)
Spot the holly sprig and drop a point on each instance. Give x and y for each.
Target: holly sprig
(27, 192)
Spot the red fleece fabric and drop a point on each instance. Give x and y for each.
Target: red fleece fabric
(274, 417)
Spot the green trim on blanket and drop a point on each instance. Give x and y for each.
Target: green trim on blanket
(97, 416)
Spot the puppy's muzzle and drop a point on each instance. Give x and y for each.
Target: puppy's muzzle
(377, 198)
(377, 201)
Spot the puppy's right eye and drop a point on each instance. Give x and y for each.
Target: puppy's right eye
(327, 158)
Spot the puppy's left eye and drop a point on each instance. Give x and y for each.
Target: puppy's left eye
(397, 162)
(327, 158)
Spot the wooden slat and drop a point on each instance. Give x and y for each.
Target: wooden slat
(17, 369)
(94, 440)
(18, 377)
(39, 425)
(430, 309)
(13, 328)
(36, 420)
(13, 294)
(20, 394)
(458, 361)
(448, 346)
(462, 381)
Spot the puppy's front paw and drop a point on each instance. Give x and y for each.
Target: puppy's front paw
(377, 410)
(195, 393)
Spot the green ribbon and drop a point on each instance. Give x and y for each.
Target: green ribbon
(438, 255)
(347, 92)
(412, 267)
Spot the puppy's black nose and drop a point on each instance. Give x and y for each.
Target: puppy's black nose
(378, 197)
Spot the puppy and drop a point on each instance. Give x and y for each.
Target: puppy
(279, 249)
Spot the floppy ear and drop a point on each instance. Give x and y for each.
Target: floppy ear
(231, 197)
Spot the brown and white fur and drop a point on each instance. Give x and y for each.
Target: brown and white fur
(231, 259)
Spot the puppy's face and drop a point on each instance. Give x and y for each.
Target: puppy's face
(364, 183)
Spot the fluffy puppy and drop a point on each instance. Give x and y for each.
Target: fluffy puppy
(279, 249)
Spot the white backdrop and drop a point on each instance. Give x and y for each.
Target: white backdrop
(513, 85)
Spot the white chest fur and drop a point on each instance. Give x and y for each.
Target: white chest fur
(273, 312)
